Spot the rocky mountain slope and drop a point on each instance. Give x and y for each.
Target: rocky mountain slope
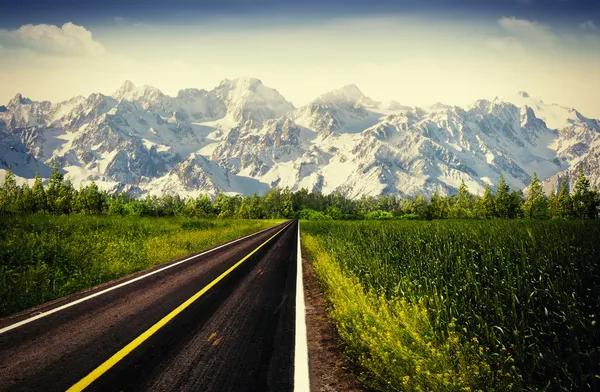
(244, 137)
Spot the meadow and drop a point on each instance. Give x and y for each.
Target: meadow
(457, 305)
(44, 257)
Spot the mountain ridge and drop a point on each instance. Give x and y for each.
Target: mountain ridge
(244, 137)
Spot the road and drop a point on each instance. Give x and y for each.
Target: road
(220, 321)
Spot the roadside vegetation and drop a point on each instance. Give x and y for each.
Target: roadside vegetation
(460, 305)
(57, 196)
(44, 256)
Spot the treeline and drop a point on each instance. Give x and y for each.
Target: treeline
(60, 197)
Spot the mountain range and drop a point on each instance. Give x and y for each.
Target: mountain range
(244, 137)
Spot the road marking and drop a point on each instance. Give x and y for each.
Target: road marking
(80, 300)
(112, 361)
(301, 379)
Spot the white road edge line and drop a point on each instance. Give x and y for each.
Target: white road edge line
(80, 300)
(301, 378)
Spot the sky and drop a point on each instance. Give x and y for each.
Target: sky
(416, 52)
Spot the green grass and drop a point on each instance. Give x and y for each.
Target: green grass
(524, 294)
(44, 257)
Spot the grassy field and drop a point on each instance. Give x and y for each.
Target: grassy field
(464, 305)
(44, 257)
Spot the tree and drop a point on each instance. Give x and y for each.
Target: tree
(287, 205)
(553, 207)
(25, 201)
(95, 201)
(38, 195)
(536, 203)
(243, 211)
(256, 209)
(585, 200)
(565, 205)
(55, 184)
(502, 200)
(8, 192)
(487, 203)
(462, 207)
(437, 208)
(224, 206)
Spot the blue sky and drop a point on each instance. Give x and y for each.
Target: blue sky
(414, 51)
(188, 11)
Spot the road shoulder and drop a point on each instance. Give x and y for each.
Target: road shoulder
(328, 368)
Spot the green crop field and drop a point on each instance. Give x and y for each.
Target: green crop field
(464, 305)
(44, 257)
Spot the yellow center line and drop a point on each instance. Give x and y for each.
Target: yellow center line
(112, 361)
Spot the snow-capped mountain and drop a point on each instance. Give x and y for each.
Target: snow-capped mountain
(245, 137)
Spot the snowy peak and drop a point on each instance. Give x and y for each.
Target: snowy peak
(124, 90)
(438, 107)
(347, 94)
(249, 99)
(145, 94)
(19, 100)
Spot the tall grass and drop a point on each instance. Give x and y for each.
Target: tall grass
(527, 291)
(44, 257)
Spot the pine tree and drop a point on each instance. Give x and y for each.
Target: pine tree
(25, 202)
(95, 201)
(585, 200)
(54, 189)
(38, 195)
(437, 208)
(536, 203)
(487, 203)
(565, 205)
(516, 201)
(8, 192)
(287, 204)
(462, 207)
(79, 204)
(553, 207)
(502, 200)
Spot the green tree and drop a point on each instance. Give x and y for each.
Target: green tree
(224, 206)
(536, 203)
(517, 200)
(287, 205)
(55, 184)
(463, 205)
(565, 205)
(25, 201)
(585, 200)
(8, 192)
(256, 209)
(95, 200)
(272, 203)
(243, 211)
(502, 200)
(488, 205)
(553, 206)
(437, 208)
(38, 195)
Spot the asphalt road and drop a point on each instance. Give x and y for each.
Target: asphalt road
(237, 335)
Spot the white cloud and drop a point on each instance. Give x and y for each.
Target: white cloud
(588, 25)
(68, 40)
(528, 29)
